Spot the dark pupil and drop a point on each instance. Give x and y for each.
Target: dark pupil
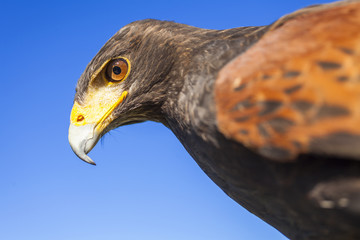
(116, 70)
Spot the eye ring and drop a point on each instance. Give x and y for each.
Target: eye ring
(117, 69)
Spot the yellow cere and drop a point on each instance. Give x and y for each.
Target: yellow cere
(97, 108)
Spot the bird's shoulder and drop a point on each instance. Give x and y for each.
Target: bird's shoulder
(297, 90)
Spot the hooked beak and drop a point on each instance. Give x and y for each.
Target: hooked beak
(87, 123)
(82, 139)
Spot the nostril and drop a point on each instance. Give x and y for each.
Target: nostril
(80, 118)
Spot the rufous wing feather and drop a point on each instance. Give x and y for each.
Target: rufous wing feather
(297, 90)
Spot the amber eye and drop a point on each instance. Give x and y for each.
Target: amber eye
(117, 70)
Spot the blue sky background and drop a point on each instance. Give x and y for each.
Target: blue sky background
(145, 185)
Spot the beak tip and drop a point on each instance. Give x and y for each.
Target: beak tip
(82, 139)
(90, 161)
(87, 159)
(84, 157)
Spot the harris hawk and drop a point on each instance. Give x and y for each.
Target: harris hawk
(269, 113)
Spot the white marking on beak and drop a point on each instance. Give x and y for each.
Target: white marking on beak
(82, 139)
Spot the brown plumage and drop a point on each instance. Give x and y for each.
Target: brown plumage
(297, 90)
(269, 113)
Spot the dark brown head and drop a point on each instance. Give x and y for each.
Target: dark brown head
(128, 80)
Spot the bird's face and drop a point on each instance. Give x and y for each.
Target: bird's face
(123, 84)
(90, 117)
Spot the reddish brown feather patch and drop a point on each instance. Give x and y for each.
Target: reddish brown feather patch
(299, 83)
